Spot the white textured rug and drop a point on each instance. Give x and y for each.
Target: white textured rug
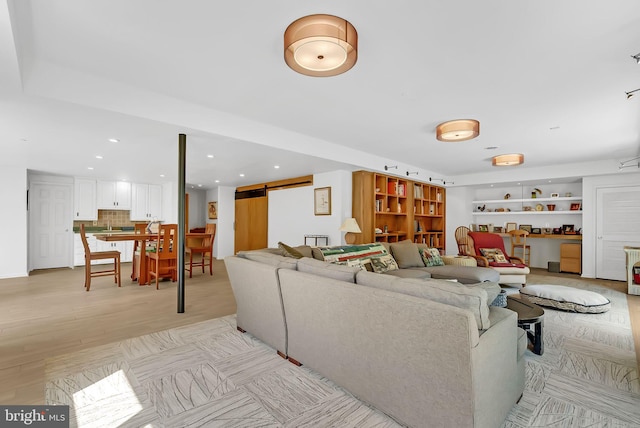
(208, 374)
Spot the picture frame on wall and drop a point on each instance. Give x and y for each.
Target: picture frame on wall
(322, 201)
(511, 226)
(212, 209)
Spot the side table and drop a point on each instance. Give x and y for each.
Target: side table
(530, 317)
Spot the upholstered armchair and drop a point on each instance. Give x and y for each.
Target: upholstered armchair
(488, 250)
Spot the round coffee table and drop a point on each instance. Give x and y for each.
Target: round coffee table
(530, 318)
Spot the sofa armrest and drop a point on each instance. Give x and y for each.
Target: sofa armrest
(514, 259)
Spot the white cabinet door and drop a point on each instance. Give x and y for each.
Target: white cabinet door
(85, 200)
(114, 195)
(123, 195)
(146, 202)
(155, 202)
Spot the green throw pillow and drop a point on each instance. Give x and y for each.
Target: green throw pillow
(289, 251)
(431, 257)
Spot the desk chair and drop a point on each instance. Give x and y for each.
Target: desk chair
(519, 243)
(163, 262)
(98, 255)
(205, 248)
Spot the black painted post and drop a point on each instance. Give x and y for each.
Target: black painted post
(182, 160)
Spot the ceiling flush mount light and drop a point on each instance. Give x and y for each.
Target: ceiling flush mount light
(458, 130)
(630, 94)
(510, 159)
(320, 45)
(637, 58)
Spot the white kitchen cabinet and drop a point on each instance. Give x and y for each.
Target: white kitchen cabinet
(146, 202)
(114, 195)
(85, 199)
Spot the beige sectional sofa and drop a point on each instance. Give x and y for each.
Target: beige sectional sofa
(426, 352)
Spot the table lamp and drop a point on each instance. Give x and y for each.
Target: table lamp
(350, 226)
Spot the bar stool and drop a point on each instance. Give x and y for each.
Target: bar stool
(519, 242)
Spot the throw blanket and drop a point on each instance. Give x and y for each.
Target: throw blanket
(372, 257)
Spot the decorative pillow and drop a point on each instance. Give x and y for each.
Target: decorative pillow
(288, 251)
(494, 255)
(406, 254)
(384, 263)
(431, 257)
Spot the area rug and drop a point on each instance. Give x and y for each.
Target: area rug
(210, 375)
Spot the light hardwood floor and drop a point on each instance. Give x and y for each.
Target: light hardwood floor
(49, 314)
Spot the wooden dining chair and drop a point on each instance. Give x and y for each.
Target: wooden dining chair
(519, 244)
(138, 229)
(98, 255)
(163, 262)
(204, 249)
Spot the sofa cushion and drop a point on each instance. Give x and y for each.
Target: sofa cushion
(409, 273)
(464, 274)
(270, 259)
(406, 254)
(431, 257)
(450, 293)
(289, 251)
(371, 279)
(328, 270)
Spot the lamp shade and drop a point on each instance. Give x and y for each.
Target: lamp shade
(510, 159)
(350, 225)
(320, 45)
(458, 130)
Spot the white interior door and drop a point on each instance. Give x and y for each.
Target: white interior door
(617, 224)
(50, 226)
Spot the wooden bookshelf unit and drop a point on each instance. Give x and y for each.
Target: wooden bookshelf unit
(400, 209)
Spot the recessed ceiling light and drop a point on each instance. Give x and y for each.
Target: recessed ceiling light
(241, 175)
(210, 156)
(491, 185)
(217, 181)
(90, 167)
(276, 166)
(199, 185)
(98, 157)
(162, 175)
(114, 140)
(553, 128)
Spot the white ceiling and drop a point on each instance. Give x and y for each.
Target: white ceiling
(544, 78)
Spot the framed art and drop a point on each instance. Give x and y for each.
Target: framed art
(576, 206)
(568, 228)
(322, 201)
(511, 226)
(526, 227)
(536, 231)
(483, 228)
(547, 231)
(213, 210)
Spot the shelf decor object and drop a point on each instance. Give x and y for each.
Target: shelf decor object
(458, 130)
(320, 45)
(350, 226)
(322, 201)
(510, 159)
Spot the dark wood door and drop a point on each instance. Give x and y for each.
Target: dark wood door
(251, 223)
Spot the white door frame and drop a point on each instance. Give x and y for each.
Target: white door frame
(68, 223)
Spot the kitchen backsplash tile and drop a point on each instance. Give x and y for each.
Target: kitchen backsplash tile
(114, 218)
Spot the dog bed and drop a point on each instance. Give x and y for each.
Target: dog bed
(566, 298)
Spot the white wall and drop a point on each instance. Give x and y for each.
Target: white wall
(458, 214)
(197, 208)
(291, 213)
(590, 186)
(13, 193)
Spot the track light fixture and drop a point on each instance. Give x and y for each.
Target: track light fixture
(442, 180)
(636, 57)
(630, 94)
(412, 173)
(387, 167)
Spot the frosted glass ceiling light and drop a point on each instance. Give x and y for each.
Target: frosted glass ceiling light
(320, 45)
(510, 159)
(458, 130)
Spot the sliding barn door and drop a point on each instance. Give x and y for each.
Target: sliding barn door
(251, 221)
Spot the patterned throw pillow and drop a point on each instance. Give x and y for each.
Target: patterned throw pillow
(431, 257)
(384, 263)
(494, 255)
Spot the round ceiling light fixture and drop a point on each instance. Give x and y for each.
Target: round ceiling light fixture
(458, 130)
(510, 159)
(320, 45)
